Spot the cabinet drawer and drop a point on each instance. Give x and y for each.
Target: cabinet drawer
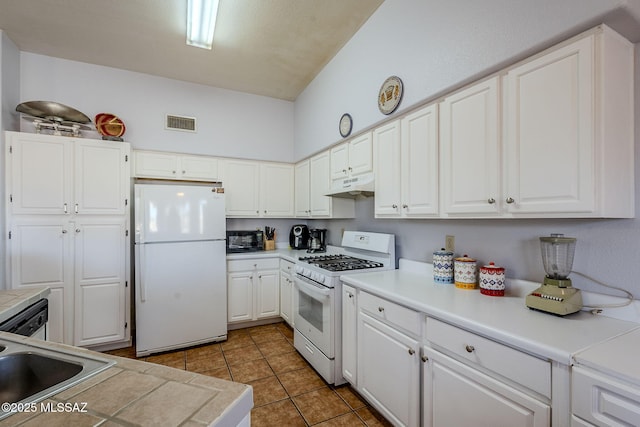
(515, 365)
(390, 312)
(286, 266)
(602, 400)
(253, 263)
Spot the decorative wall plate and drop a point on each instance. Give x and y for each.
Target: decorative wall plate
(390, 95)
(345, 125)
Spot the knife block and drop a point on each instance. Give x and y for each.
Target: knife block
(269, 245)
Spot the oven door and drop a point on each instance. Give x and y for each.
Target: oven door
(314, 318)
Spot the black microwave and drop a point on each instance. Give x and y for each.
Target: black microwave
(244, 241)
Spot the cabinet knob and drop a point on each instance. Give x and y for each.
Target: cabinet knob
(64, 231)
(350, 294)
(405, 206)
(65, 208)
(510, 200)
(173, 172)
(425, 358)
(394, 206)
(77, 230)
(183, 172)
(491, 200)
(76, 208)
(344, 171)
(411, 352)
(257, 212)
(469, 348)
(260, 276)
(380, 309)
(265, 211)
(350, 168)
(255, 265)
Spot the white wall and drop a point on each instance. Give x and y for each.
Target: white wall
(9, 95)
(437, 45)
(433, 46)
(230, 124)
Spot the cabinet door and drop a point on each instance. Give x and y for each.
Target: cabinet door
(101, 181)
(470, 150)
(302, 186)
(41, 255)
(41, 174)
(419, 163)
(458, 395)
(276, 190)
(550, 134)
(242, 188)
(100, 277)
(320, 184)
(199, 168)
(340, 161)
(156, 165)
(267, 293)
(389, 371)
(361, 154)
(349, 326)
(240, 296)
(386, 160)
(286, 298)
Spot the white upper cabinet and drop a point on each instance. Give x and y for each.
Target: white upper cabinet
(276, 189)
(406, 166)
(313, 181)
(351, 158)
(470, 167)
(154, 164)
(57, 175)
(258, 189)
(241, 180)
(386, 157)
(302, 185)
(569, 130)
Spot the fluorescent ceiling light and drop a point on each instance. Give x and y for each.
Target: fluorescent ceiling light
(201, 22)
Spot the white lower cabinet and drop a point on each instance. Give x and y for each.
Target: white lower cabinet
(388, 361)
(349, 334)
(481, 382)
(84, 262)
(286, 291)
(253, 289)
(603, 401)
(456, 394)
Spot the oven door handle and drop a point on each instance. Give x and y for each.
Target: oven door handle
(311, 290)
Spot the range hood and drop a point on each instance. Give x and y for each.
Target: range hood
(351, 188)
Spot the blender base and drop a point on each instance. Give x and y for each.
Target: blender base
(555, 300)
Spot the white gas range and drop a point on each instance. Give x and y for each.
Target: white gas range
(318, 296)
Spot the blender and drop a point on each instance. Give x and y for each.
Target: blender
(556, 295)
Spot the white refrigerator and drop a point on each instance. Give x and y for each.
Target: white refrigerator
(180, 266)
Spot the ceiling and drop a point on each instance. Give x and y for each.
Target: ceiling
(273, 48)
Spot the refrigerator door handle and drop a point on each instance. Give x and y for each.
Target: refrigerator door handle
(139, 271)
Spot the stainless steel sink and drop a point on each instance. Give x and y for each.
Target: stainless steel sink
(32, 372)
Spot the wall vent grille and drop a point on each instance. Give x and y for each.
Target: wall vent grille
(180, 123)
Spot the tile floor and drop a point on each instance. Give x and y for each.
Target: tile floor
(286, 390)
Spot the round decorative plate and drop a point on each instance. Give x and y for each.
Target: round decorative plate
(345, 125)
(390, 95)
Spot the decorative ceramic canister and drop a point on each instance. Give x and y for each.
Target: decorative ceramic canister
(443, 266)
(492, 280)
(465, 272)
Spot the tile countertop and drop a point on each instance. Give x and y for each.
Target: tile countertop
(504, 319)
(133, 392)
(13, 301)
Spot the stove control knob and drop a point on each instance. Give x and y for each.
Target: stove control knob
(306, 272)
(321, 278)
(299, 269)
